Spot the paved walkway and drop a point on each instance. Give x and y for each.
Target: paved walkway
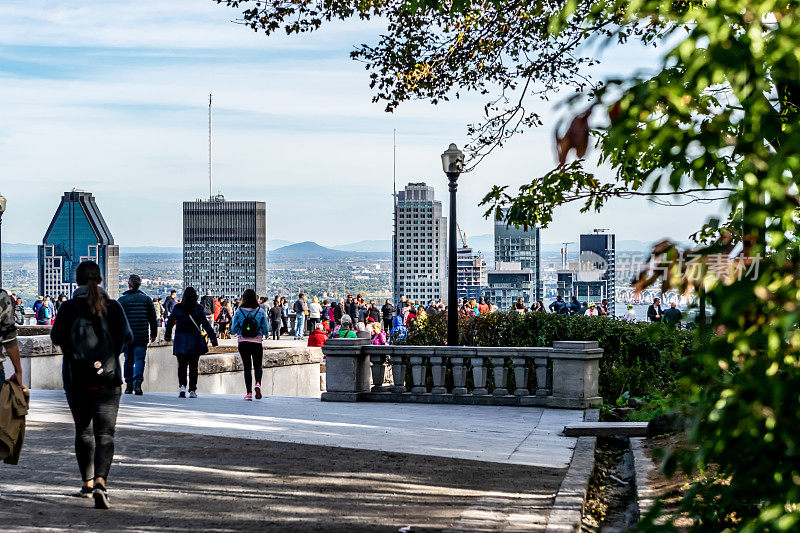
(514, 435)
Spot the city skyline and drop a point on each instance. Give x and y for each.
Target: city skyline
(315, 146)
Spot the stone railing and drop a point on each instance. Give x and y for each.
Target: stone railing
(291, 370)
(565, 375)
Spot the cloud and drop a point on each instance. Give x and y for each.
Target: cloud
(112, 97)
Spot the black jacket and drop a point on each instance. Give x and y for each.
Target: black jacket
(187, 325)
(169, 304)
(388, 311)
(208, 304)
(141, 315)
(651, 313)
(61, 334)
(352, 309)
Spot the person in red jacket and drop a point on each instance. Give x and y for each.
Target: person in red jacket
(317, 337)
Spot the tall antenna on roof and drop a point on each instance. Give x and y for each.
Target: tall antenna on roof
(210, 194)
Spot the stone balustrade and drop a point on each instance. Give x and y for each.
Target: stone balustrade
(565, 375)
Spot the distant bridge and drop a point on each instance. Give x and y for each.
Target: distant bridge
(627, 295)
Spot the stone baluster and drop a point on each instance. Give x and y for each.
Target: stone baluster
(377, 357)
(398, 372)
(418, 373)
(458, 356)
(479, 372)
(459, 376)
(521, 370)
(540, 363)
(500, 369)
(438, 373)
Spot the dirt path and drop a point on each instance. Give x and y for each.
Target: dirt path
(179, 482)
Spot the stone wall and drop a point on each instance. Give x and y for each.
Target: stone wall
(290, 371)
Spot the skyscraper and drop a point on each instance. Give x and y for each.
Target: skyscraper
(602, 245)
(419, 251)
(517, 245)
(77, 233)
(225, 246)
(471, 273)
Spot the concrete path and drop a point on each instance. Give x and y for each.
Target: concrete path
(513, 435)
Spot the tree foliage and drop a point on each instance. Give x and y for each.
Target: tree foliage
(436, 51)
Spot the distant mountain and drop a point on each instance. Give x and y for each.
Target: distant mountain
(313, 250)
(274, 244)
(307, 248)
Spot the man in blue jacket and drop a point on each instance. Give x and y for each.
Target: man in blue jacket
(142, 319)
(559, 306)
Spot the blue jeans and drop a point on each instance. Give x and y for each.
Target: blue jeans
(298, 330)
(134, 364)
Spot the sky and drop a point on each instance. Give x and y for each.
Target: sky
(111, 97)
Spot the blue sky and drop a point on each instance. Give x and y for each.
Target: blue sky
(111, 97)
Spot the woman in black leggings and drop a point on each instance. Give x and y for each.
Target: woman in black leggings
(92, 330)
(250, 324)
(189, 321)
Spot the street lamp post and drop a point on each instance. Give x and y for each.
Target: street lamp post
(2, 210)
(453, 165)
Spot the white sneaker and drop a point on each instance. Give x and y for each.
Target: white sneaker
(192, 394)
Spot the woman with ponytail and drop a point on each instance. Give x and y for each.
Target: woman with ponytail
(92, 331)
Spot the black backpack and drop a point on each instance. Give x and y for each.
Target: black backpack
(94, 356)
(249, 325)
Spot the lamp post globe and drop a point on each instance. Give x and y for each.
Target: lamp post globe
(453, 165)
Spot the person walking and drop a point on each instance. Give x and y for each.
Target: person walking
(275, 318)
(92, 330)
(169, 303)
(250, 324)
(141, 315)
(314, 314)
(387, 310)
(189, 321)
(300, 309)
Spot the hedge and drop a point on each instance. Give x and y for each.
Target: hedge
(640, 359)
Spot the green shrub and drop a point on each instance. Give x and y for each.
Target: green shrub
(640, 359)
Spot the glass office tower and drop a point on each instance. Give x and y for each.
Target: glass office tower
(77, 233)
(517, 245)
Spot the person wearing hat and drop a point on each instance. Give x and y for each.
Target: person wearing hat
(630, 315)
(592, 310)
